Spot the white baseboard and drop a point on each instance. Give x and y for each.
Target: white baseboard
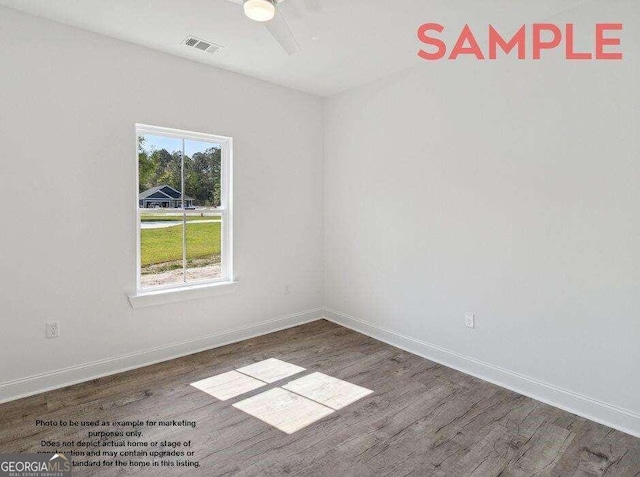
(622, 419)
(60, 378)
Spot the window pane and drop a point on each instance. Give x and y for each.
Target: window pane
(204, 241)
(159, 172)
(202, 164)
(161, 243)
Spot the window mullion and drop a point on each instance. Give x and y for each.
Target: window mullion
(184, 218)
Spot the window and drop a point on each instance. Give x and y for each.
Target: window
(183, 208)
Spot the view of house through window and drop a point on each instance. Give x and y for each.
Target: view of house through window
(182, 207)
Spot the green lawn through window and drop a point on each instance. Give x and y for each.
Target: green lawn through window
(164, 245)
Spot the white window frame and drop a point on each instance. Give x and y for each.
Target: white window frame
(225, 210)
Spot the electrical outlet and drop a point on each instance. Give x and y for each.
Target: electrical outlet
(52, 329)
(287, 289)
(470, 320)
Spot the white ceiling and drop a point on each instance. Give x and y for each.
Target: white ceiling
(346, 43)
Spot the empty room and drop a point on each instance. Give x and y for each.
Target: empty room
(320, 237)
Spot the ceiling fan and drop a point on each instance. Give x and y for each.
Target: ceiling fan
(268, 13)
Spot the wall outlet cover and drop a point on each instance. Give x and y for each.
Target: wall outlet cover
(470, 320)
(52, 329)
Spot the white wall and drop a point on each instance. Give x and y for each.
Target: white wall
(508, 189)
(69, 100)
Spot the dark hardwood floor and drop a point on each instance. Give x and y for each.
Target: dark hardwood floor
(423, 418)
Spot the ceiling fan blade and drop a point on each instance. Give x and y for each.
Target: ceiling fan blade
(279, 29)
(311, 5)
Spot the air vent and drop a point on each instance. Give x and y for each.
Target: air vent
(202, 45)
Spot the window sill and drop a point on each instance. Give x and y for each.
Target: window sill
(175, 295)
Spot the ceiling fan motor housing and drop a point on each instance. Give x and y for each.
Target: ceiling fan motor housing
(260, 10)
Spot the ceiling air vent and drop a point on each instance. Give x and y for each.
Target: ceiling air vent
(202, 45)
